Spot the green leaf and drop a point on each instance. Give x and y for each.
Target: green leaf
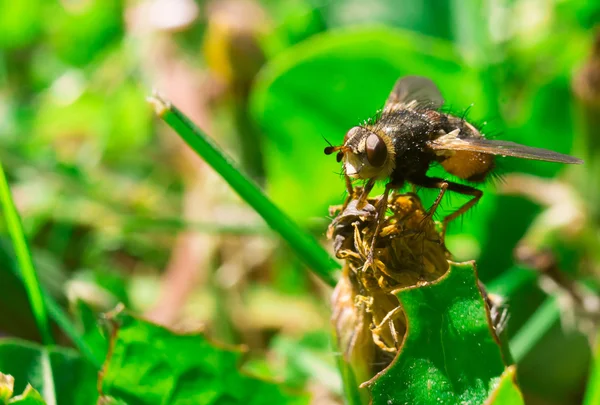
(7, 385)
(20, 22)
(29, 397)
(507, 392)
(151, 365)
(331, 82)
(305, 362)
(92, 331)
(450, 353)
(411, 16)
(110, 401)
(544, 121)
(592, 392)
(55, 311)
(23, 254)
(60, 375)
(82, 31)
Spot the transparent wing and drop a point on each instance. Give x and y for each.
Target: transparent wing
(414, 92)
(503, 148)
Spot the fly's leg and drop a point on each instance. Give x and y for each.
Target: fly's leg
(465, 190)
(381, 209)
(362, 200)
(349, 187)
(382, 345)
(388, 319)
(349, 190)
(443, 185)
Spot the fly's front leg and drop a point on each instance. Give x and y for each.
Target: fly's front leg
(381, 210)
(349, 187)
(362, 200)
(349, 190)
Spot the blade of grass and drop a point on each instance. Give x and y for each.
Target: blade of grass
(49, 305)
(307, 248)
(64, 322)
(535, 329)
(592, 392)
(509, 282)
(28, 274)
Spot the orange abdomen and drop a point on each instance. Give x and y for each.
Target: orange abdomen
(467, 165)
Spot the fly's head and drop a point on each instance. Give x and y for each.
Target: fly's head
(365, 154)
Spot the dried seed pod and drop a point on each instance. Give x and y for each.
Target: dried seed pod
(368, 320)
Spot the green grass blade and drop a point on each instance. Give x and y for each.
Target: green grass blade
(64, 322)
(28, 274)
(592, 392)
(535, 329)
(49, 307)
(305, 246)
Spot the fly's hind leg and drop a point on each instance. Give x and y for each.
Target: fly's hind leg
(444, 185)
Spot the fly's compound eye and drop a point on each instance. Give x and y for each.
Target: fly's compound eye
(376, 150)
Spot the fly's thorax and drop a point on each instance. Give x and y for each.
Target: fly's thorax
(369, 154)
(465, 129)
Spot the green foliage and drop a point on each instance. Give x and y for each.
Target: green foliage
(20, 22)
(29, 397)
(100, 186)
(592, 392)
(450, 353)
(507, 392)
(28, 274)
(303, 243)
(149, 364)
(60, 375)
(79, 33)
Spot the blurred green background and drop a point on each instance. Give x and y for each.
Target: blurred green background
(118, 210)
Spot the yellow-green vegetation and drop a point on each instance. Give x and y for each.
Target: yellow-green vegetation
(202, 217)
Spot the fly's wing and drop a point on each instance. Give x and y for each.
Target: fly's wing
(451, 142)
(414, 92)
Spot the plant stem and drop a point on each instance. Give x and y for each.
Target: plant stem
(27, 271)
(307, 248)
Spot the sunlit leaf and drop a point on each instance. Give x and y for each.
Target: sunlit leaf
(29, 397)
(450, 353)
(150, 364)
(82, 30)
(60, 375)
(20, 22)
(507, 392)
(592, 392)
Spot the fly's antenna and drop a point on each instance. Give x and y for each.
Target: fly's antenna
(332, 149)
(328, 143)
